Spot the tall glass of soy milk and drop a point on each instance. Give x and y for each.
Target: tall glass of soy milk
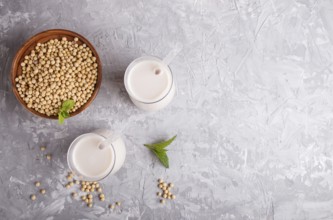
(149, 83)
(93, 156)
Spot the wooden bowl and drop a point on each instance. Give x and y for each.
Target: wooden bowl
(42, 38)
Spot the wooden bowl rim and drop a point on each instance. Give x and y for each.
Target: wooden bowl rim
(34, 39)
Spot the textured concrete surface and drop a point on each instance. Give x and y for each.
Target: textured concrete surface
(253, 110)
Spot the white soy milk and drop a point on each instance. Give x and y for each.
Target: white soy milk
(149, 83)
(91, 161)
(88, 161)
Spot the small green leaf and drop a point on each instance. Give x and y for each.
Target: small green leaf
(67, 105)
(61, 119)
(64, 110)
(65, 114)
(149, 146)
(160, 151)
(164, 144)
(163, 158)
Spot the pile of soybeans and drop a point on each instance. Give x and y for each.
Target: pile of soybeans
(56, 71)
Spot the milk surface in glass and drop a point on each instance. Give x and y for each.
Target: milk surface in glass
(150, 84)
(89, 162)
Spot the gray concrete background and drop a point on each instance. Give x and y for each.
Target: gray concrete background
(253, 110)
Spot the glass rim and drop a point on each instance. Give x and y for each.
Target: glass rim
(85, 178)
(130, 67)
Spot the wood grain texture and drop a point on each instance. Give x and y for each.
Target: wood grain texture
(44, 37)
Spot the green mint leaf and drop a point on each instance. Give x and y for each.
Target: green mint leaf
(65, 114)
(160, 151)
(64, 110)
(163, 157)
(164, 144)
(67, 105)
(61, 119)
(149, 146)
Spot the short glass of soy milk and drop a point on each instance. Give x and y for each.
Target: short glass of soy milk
(149, 83)
(93, 156)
